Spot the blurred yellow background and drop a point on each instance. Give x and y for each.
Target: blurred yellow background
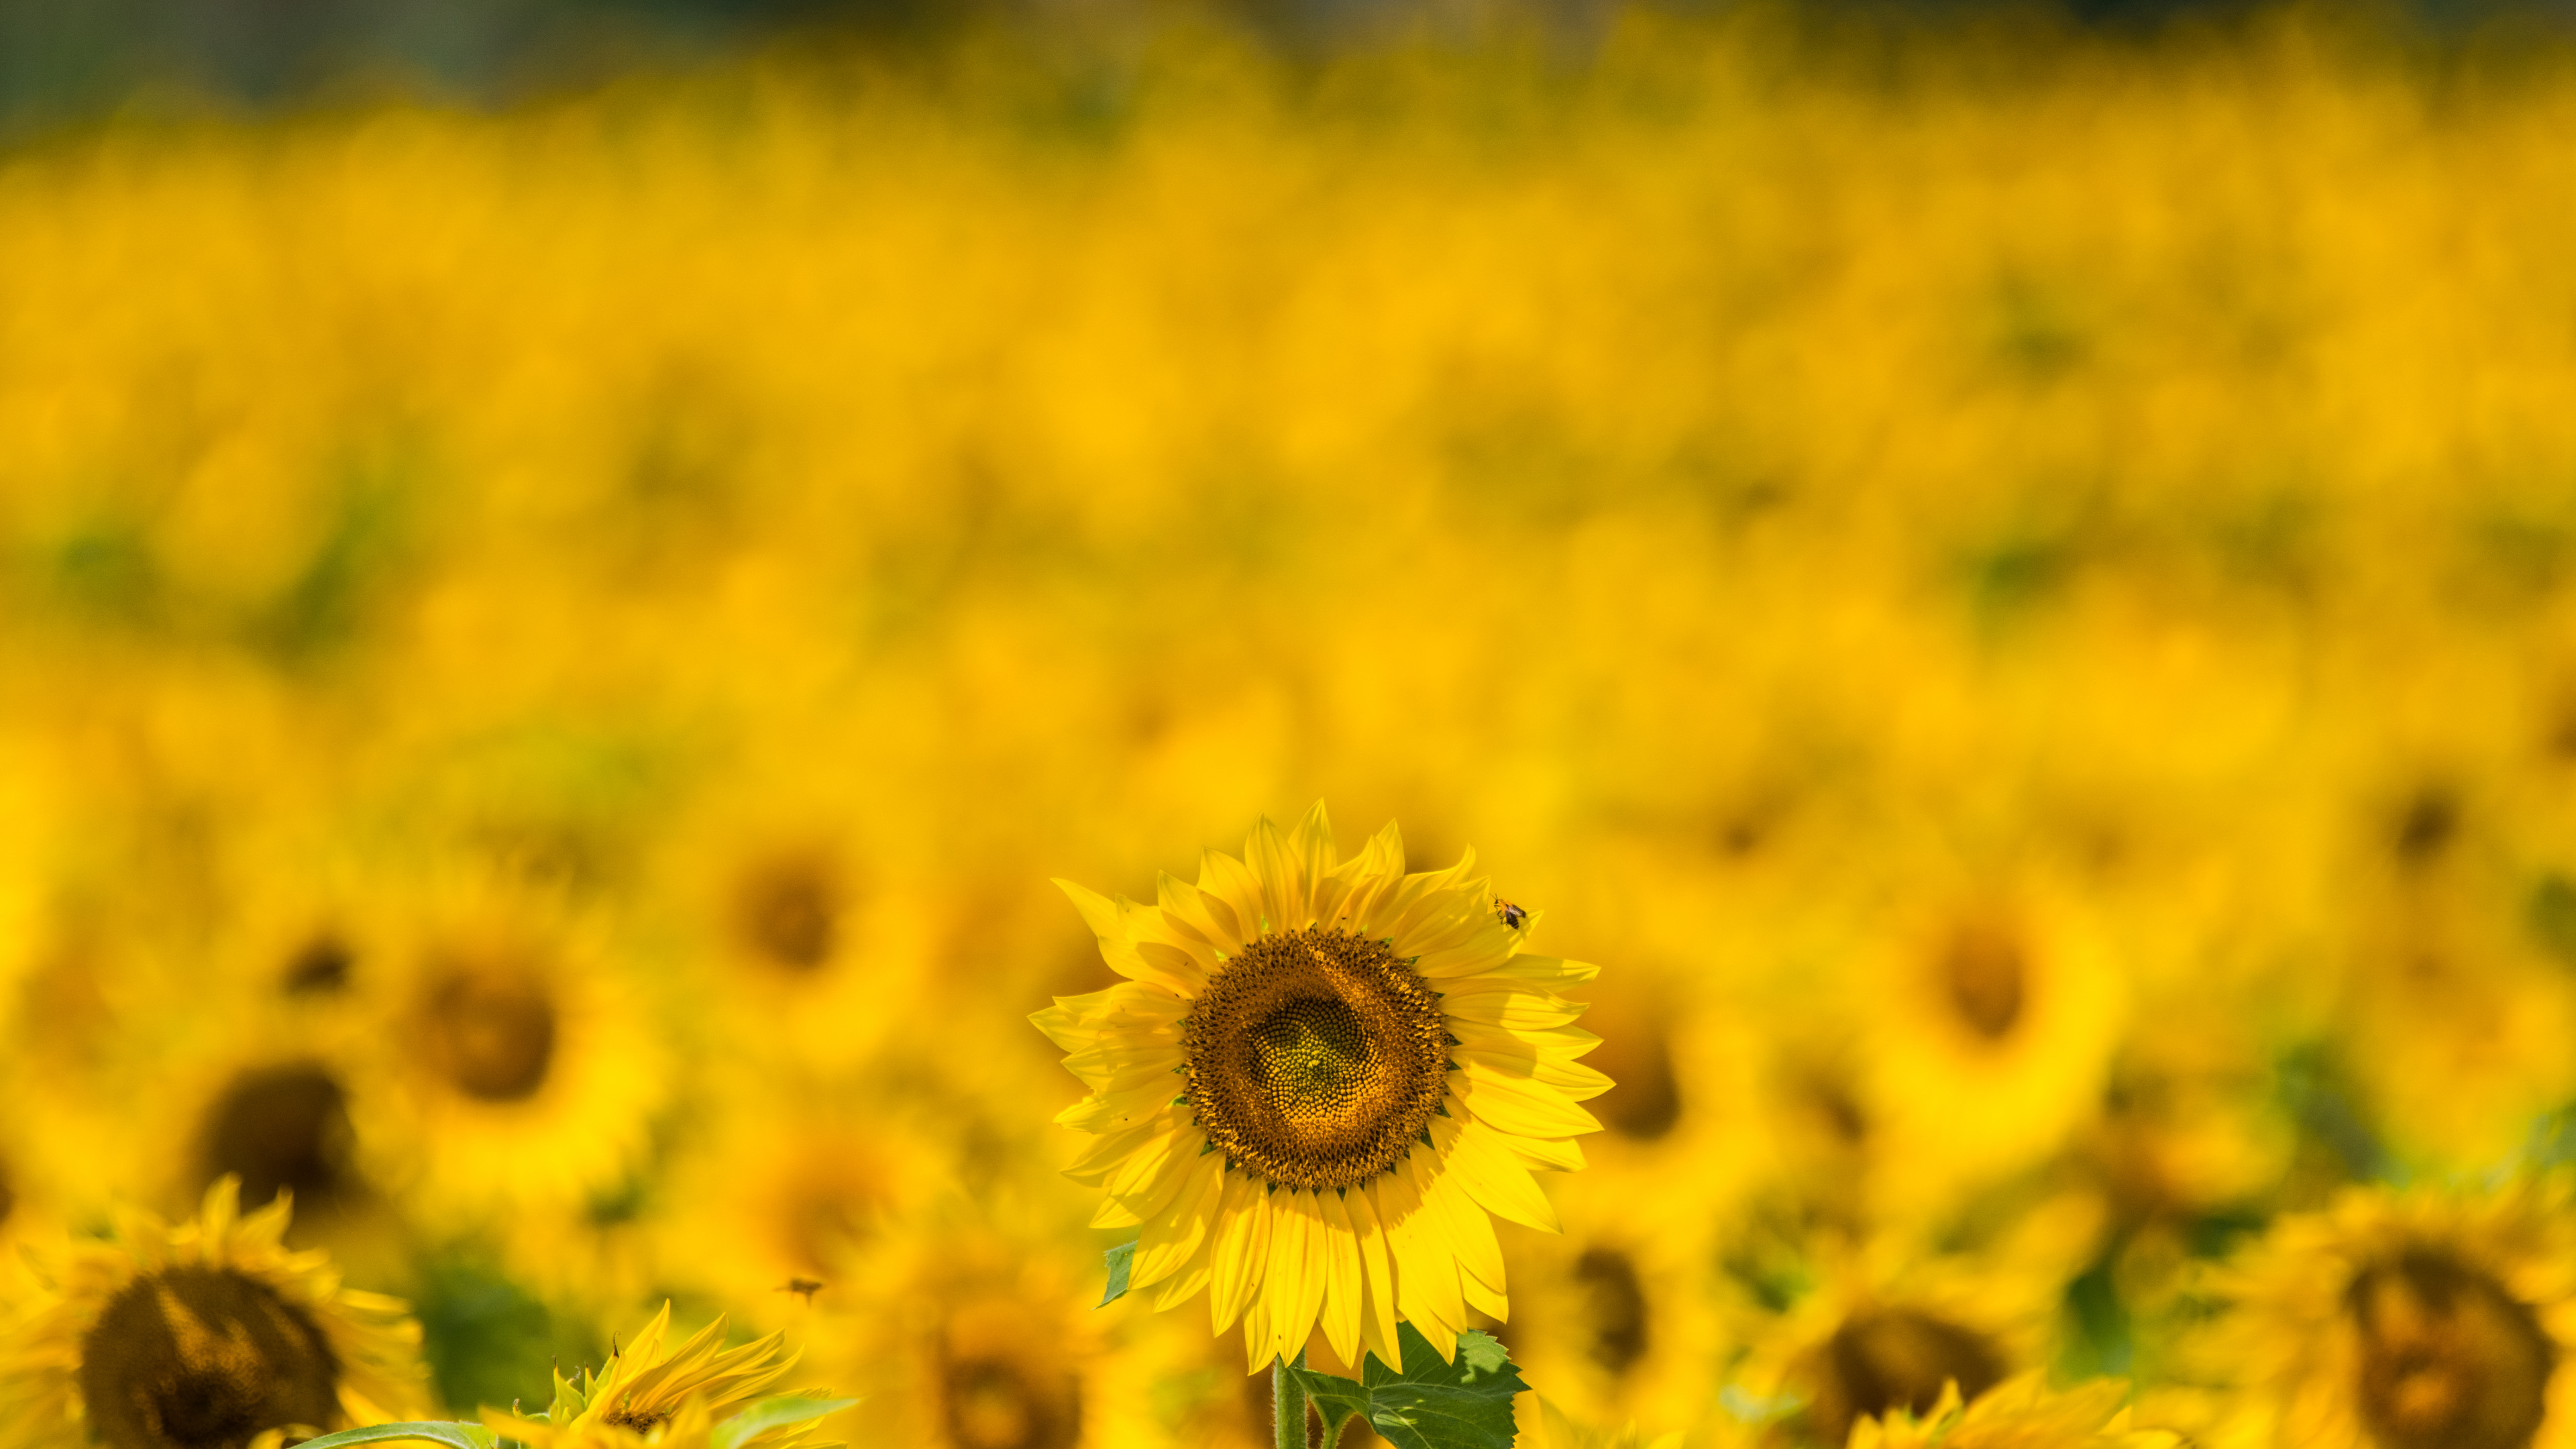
(2011, 588)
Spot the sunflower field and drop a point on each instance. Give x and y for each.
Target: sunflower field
(2006, 597)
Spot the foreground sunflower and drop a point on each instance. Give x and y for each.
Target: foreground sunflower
(207, 1335)
(645, 1395)
(2418, 1320)
(1318, 1080)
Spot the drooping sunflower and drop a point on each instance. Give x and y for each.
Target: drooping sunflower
(206, 1335)
(2426, 1319)
(1318, 1080)
(646, 1395)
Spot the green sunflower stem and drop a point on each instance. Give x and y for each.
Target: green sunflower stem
(1287, 1407)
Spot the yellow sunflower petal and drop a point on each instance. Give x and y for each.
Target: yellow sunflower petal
(1468, 1232)
(1231, 888)
(1296, 1288)
(1377, 1269)
(1490, 1175)
(1341, 1248)
(1172, 1237)
(1286, 904)
(1186, 906)
(1242, 1251)
(1519, 1106)
(1426, 1271)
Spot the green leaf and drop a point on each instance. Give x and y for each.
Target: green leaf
(458, 1434)
(1122, 1261)
(770, 1414)
(1430, 1405)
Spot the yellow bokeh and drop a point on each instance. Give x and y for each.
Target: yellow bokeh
(2012, 588)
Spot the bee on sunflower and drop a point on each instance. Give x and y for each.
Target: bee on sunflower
(1319, 1083)
(2426, 1319)
(207, 1335)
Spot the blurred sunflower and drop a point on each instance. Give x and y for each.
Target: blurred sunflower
(973, 1337)
(260, 1090)
(2417, 1320)
(531, 1073)
(1990, 1012)
(2445, 980)
(791, 1182)
(647, 1395)
(1616, 1316)
(1883, 1331)
(207, 1335)
(2019, 1414)
(1369, 1065)
(794, 918)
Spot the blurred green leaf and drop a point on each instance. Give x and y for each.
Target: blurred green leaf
(1466, 1404)
(486, 1339)
(772, 1413)
(1122, 1261)
(460, 1434)
(2552, 916)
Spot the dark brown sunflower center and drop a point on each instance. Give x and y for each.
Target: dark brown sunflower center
(1618, 1308)
(2449, 1360)
(491, 1034)
(991, 1403)
(1985, 975)
(789, 913)
(281, 1127)
(1894, 1359)
(819, 1220)
(1315, 1059)
(203, 1358)
(320, 967)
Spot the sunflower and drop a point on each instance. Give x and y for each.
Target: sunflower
(2419, 1320)
(2021, 1413)
(1318, 1080)
(1988, 1010)
(1885, 1329)
(647, 1395)
(974, 1331)
(202, 1336)
(531, 1072)
(791, 1181)
(788, 896)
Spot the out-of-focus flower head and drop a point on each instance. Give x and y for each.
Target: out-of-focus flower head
(2021, 1413)
(210, 1332)
(646, 1395)
(2405, 1320)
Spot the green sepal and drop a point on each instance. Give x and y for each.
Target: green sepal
(457, 1433)
(772, 1413)
(1122, 1262)
(1431, 1404)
